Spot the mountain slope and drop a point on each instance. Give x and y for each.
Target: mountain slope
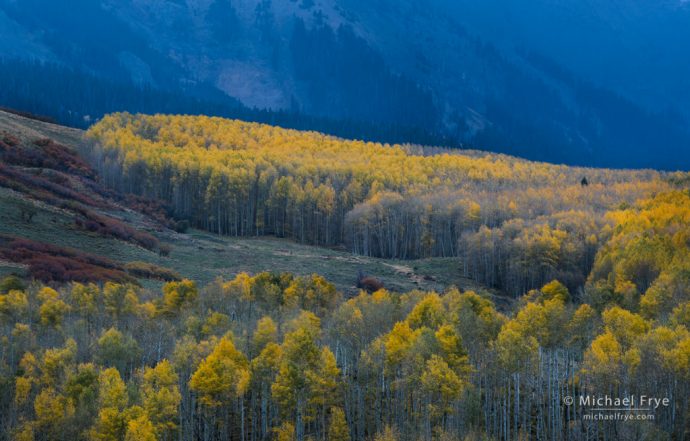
(440, 67)
(47, 229)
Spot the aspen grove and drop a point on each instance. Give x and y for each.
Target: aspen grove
(279, 357)
(513, 224)
(598, 262)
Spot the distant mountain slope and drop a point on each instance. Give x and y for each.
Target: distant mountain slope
(635, 47)
(455, 69)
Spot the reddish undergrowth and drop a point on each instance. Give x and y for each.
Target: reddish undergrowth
(51, 263)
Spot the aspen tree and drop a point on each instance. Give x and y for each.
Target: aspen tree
(161, 399)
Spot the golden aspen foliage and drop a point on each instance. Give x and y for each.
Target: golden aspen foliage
(442, 384)
(119, 300)
(388, 434)
(14, 305)
(53, 411)
(240, 178)
(323, 381)
(22, 388)
(678, 358)
(266, 364)
(111, 421)
(85, 298)
(299, 361)
(475, 317)
(624, 325)
(239, 287)
(57, 362)
(53, 308)
(177, 295)
(418, 361)
(30, 370)
(604, 359)
(311, 293)
(398, 343)
(582, 325)
(216, 323)
(428, 312)
(115, 349)
(25, 432)
(337, 427)
(604, 269)
(667, 291)
(681, 315)
(453, 350)
(140, 429)
(515, 347)
(82, 388)
(285, 432)
(161, 397)
(222, 376)
(111, 390)
(266, 332)
(555, 290)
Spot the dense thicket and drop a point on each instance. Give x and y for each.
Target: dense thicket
(516, 224)
(274, 356)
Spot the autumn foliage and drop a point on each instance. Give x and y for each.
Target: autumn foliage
(514, 224)
(600, 276)
(54, 174)
(50, 263)
(276, 356)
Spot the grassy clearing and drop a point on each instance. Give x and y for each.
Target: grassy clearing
(203, 256)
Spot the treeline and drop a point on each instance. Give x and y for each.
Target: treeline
(279, 357)
(515, 224)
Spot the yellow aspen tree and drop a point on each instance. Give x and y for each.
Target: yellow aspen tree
(222, 376)
(140, 429)
(161, 398)
(337, 428)
(111, 422)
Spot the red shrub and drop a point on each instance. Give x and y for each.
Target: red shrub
(9, 139)
(50, 263)
(106, 226)
(41, 188)
(45, 153)
(368, 283)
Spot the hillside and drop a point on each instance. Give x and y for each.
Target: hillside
(201, 256)
(615, 97)
(118, 322)
(344, 220)
(246, 179)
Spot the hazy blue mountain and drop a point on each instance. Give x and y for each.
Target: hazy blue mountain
(584, 82)
(639, 48)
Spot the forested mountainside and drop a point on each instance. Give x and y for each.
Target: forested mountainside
(344, 220)
(114, 326)
(513, 224)
(78, 98)
(59, 223)
(451, 73)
